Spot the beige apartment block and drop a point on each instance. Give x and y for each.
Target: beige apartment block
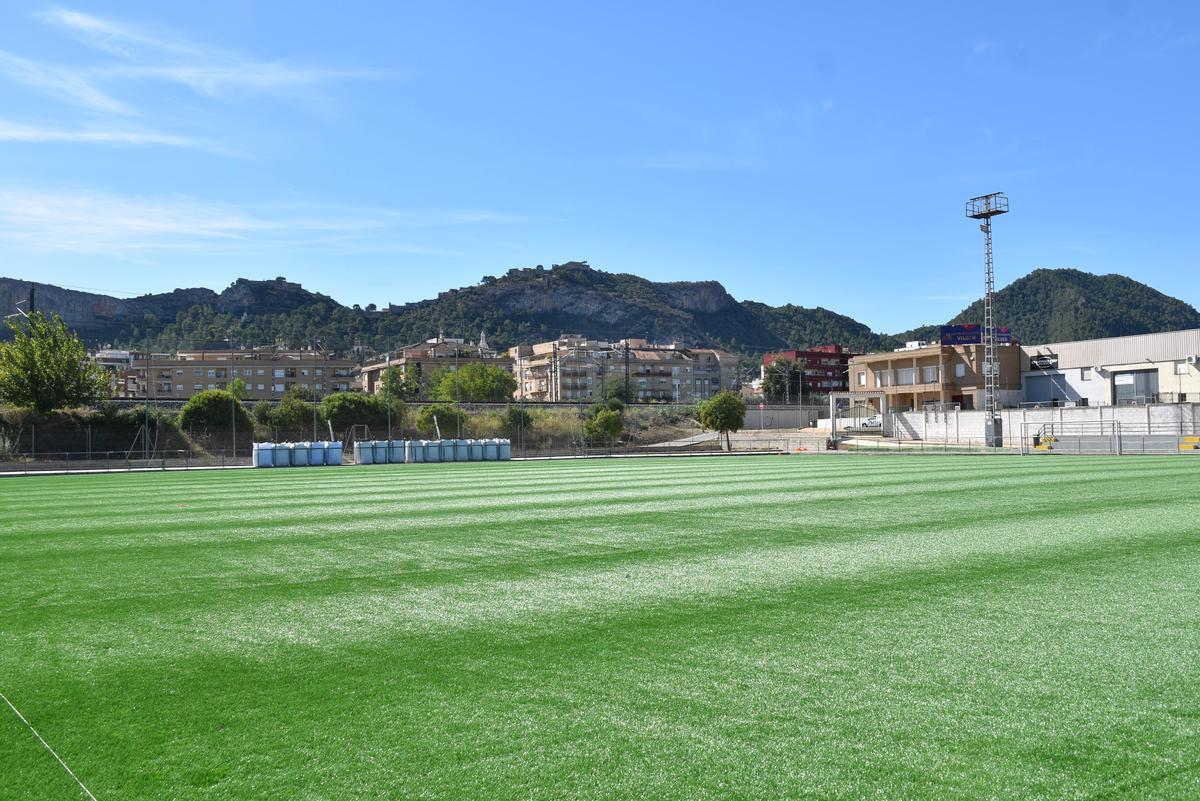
(574, 368)
(267, 373)
(936, 375)
(424, 358)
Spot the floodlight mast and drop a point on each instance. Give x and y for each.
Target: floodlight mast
(985, 207)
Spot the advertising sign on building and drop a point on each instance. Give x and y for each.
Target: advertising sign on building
(972, 334)
(1044, 361)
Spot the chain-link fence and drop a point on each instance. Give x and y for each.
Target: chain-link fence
(152, 438)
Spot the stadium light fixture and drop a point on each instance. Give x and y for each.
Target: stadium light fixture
(984, 208)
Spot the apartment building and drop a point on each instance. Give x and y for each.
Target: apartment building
(266, 372)
(420, 360)
(922, 375)
(825, 366)
(574, 368)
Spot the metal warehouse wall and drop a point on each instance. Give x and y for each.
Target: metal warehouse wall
(1169, 346)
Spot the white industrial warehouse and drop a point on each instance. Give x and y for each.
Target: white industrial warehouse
(1118, 371)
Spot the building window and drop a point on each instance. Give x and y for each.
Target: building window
(278, 388)
(212, 373)
(1181, 368)
(179, 387)
(261, 387)
(247, 372)
(212, 386)
(1085, 374)
(960, 370)
(197, 372)
(279, 372)
(906, 376)
(260, 371)
(862, 379)
(929, 375)
(197, 387)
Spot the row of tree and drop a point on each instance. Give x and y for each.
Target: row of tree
(45, 367)
(473, 382)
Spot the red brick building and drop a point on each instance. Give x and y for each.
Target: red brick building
(825, 366)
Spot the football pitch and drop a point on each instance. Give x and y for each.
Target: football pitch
(826, 627)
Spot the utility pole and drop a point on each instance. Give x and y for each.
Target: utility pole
(313, 381)
(232, 396)
(628, 396)
(457, 394)
(555, 378)
(145, 405)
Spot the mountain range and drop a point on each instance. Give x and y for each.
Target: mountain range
(537, 304)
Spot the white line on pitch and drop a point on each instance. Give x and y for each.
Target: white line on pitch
(53, 753)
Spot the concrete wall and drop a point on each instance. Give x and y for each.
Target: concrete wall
(781, 416)
(952, 426)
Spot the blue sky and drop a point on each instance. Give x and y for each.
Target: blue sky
(810, 153)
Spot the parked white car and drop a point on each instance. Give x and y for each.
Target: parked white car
(874, 421)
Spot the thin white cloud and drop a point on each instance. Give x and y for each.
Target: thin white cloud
(16, 132)
(115, 38)
(250, 78)
(108, 224)
(209, 71)
(63, 83)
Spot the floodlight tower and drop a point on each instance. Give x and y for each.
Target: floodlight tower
(985, 207)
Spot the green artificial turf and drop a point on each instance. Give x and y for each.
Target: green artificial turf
(897, 627)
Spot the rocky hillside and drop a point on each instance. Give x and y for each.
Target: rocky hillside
(536, 304)
(101, 317)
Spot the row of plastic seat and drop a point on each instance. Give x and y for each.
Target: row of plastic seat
(407, 451)
(296, 454)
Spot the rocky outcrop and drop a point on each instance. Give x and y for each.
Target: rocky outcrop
(98, 317)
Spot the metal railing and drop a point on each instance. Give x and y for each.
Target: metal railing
(116, 461)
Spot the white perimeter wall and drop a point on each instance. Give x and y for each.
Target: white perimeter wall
(960, 426)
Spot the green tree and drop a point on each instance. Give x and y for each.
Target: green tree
(723, 413)
(45, 366)
(450, 420)
(615, 387)
(213, 411)
(294, 414)
(262, 414)
(302, 392)
(783, 381)
(474, 382)
(391, 384)
(516, 422)
(345, 409)
(604, 426)
(414, 385)
(238, 387)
